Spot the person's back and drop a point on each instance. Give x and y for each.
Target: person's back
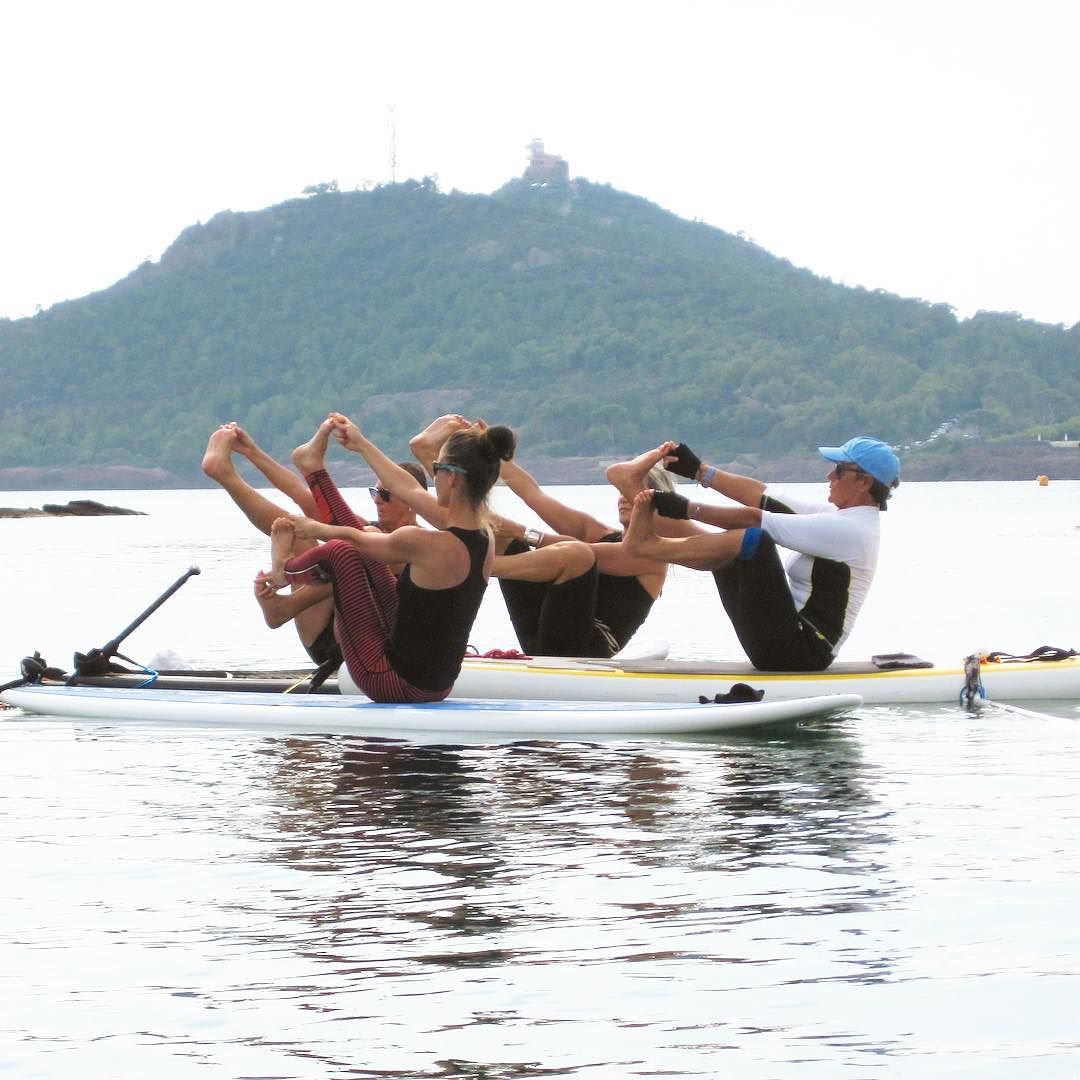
(379, 620)
(431, 626)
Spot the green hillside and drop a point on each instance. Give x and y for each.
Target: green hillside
(590, 320)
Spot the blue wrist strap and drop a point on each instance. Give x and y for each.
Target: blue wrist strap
(707, 476)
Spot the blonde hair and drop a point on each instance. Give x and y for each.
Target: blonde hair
(659, 479)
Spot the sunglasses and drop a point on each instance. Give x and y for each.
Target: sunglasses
(842, 467)
(379, 493)
(445, 466)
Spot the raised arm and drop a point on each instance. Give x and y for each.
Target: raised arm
(741, 489)
(426, 444)
(565, 520)
(391, 475)
(677, 512)
(681, 511)
(402, 545)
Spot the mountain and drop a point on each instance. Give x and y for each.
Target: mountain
(590, 320)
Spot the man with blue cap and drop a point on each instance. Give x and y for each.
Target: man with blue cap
(787, 618)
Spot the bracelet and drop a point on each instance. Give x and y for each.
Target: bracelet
(693, 510)
(707, 476)
(532, 537)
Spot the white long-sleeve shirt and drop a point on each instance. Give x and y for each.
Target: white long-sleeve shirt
(820, 531)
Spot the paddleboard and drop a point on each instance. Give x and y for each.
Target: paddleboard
(335, 713)
(673, 681)
(554, 678)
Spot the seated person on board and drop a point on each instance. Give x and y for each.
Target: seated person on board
(792, 619)
(403, 639)
(577, 592)
(315, 623)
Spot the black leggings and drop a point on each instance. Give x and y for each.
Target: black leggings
(757, 598)
(555, 620)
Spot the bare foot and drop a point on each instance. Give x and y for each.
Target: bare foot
(640, 533)
(628, 477)
(311, 456)
(217, 461)
(305, 528)
(282, 538)
(427, 444)
(273, 606)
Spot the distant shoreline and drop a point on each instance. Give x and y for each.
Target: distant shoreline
(955, 460)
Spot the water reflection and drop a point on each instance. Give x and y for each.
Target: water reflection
(452, 856)
(416, 899)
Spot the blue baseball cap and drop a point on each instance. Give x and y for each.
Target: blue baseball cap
(871, 455)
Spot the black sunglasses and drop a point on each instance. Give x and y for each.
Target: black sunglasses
(842, 467)
(445, 466)
(379, 493)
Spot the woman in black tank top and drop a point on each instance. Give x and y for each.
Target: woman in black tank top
(577, 593)
(403, 640)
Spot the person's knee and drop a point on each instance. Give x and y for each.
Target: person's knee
(749, 544)
(575, 558)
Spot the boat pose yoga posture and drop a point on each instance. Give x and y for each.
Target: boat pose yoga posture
(402, 639)
(787, 619)
(314, 621)
(578, 592)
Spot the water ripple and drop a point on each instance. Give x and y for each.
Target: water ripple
(366, 907)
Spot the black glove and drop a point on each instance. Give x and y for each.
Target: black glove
(668, 504)
(686, 462)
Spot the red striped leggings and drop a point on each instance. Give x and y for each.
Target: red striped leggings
(365, 602)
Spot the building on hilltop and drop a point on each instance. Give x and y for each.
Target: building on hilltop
(544, 168)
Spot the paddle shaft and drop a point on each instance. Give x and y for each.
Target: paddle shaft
(112, 646)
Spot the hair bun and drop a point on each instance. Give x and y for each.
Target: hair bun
(501, 441)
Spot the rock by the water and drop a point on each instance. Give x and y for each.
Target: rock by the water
(74, 508)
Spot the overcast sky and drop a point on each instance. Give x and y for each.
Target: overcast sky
(924, 147)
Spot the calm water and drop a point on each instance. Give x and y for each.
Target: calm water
(893, 894)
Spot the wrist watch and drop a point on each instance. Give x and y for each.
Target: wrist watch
(532, 537)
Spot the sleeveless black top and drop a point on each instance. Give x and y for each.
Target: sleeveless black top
(622, 603)
(432, 626)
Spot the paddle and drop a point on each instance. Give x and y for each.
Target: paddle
(96, 661)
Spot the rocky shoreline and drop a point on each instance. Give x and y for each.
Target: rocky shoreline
(74, 508)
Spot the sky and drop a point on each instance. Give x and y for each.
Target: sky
(928, 148)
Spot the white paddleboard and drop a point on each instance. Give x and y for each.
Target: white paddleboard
(556, 678)
(345, 714)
